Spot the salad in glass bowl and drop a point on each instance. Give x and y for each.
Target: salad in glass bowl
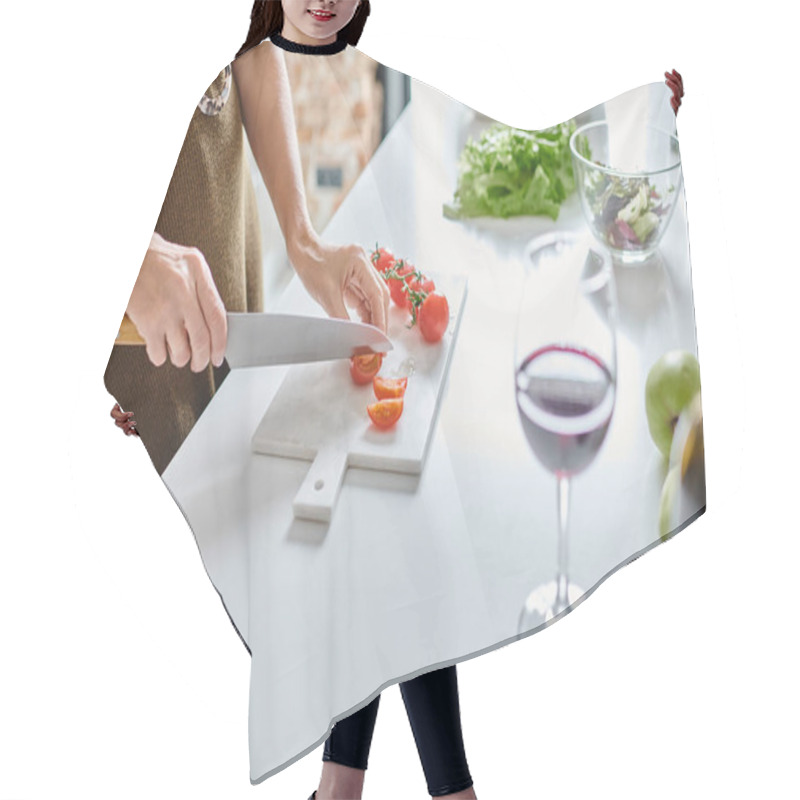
(627, 204)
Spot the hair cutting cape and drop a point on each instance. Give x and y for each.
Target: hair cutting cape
(350, 556)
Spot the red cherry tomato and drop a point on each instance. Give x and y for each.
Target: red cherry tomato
(364, 368)
(382, 259)
(433, 317)
(385, 413)
(396, 284)
(386, 388)
(425, 286)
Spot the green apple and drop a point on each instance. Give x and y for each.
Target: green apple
(670, 493)
(672, 383)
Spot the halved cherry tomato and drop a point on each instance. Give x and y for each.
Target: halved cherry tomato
(364, 368)
(424, 286)
(433, 317)
(382, 259)
(402, 268)
(386, 388)
(385, 413)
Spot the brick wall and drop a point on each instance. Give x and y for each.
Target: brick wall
(338, 107)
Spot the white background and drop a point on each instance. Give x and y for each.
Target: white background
(120, 675)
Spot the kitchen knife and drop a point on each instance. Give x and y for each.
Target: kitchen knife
(260, 340)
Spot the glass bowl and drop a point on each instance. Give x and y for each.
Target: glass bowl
(627, 196)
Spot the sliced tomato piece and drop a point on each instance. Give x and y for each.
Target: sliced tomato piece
(364, 368)
(433, 317)
(386, 388)
(402, 269)
(385, 413)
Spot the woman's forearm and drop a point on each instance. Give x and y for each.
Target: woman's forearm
(268, 119)
(334, 275)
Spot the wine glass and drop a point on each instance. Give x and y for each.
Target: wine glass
(565, 382)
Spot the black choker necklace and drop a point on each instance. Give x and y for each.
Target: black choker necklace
(311, 49)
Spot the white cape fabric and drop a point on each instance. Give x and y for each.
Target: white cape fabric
(445, 522)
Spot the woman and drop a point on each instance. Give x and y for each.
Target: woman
(205, 256)
(201, 263)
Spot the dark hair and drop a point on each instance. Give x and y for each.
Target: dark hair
(266, 19)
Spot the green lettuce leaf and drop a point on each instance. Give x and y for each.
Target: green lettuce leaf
(508, 172)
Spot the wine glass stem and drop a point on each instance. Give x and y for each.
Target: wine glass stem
(562, 579)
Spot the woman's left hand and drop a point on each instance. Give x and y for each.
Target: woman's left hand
(124, 420)
(337, 276)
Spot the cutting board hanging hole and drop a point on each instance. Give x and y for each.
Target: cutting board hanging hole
(317, 496)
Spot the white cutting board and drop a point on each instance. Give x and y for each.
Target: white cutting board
(320, 415)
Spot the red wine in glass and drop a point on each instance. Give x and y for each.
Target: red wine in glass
(565, 377)
(565, 398)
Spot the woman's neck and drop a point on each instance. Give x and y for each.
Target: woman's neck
(294, 34)
(308, 45)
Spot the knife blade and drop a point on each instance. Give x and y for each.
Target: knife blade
(256, 340)
(264, 339)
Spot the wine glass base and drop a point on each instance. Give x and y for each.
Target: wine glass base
(540, 605)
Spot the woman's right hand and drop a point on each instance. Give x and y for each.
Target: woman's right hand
(176, 307)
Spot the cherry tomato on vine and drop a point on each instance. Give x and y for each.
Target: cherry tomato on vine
(402, 269)
(382, 259)
(424, 286)
(433, 317)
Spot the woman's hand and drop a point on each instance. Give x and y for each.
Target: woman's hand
(124, 420)
(176, 307)
(675, 83)
(340, 275)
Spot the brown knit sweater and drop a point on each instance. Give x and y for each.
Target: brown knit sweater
(211, 205)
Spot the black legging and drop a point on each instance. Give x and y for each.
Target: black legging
(432, 706)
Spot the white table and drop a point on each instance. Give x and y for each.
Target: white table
(417, 572)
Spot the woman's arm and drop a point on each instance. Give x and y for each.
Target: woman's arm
(268, 118)
(333, 275)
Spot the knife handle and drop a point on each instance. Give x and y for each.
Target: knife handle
(128, 333)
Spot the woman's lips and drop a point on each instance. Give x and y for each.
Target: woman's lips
(323, 16)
